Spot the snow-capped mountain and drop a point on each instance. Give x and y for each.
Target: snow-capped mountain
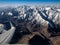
(31, 20)
(37, 14)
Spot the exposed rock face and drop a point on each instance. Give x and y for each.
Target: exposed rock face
(41, 21)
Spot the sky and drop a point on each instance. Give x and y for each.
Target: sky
(3, 2)
(34, 1)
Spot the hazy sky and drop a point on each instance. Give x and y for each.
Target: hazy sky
(29, 1)
(54, 1)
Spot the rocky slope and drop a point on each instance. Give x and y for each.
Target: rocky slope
(35, 20)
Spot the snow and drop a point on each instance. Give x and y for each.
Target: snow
(47, 8)
(2, 13)
(9, 13)
(58, 10)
